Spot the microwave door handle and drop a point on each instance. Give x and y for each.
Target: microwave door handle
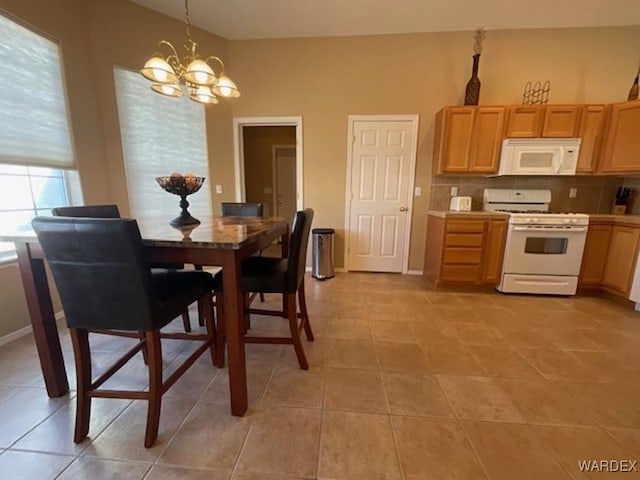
(558, 163)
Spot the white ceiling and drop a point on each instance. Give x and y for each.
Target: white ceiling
(259, 19)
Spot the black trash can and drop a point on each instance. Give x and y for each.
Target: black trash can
(323, 239)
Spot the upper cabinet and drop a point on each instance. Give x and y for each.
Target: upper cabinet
(621, 152)
(591, 131)
(534, 121)
(468, 139)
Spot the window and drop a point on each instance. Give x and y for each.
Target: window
(160, 136)
(35, 138)
(31, 191)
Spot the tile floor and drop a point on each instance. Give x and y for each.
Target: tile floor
(405, 383)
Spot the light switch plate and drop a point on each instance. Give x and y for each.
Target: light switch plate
(218, 188)
(454, 191)
(418, 191)
(573, 192)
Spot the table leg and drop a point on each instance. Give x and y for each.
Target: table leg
(234, 324)
(45, 332)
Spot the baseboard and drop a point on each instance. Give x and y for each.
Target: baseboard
(10, 337)
(414, 272)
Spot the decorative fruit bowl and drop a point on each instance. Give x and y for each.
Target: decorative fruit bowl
(182, 185)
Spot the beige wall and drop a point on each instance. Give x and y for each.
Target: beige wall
(326, 79)
(258, 160)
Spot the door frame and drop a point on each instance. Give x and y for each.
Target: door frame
(238, 151)
(274, 182)
(410, 189)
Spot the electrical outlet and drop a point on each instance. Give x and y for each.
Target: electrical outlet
(454, 191)
(218, 189)
(573, 192)
(418, 191)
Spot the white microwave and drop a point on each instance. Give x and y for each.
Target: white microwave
(539, 156)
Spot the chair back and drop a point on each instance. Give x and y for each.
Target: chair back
(98, 266)
(298, 242)
(89, 211)
(230, 209)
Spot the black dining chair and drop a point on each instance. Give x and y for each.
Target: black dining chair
(112, 211)
(244, 209)
(106, 286)
(283, 276)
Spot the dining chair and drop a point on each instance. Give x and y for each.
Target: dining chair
(282, 276)
(106, 286)
(244, 209)
(112, 211)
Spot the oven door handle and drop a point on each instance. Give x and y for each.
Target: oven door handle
(554, 230)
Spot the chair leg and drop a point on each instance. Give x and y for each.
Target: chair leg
(186, 321)
(292, 314)
(303, 312)
(205, 304)
(82, 354)
(262, 297)
(201, 321)
(220, 332)
(155, 387)
(247, 315)
(145, 353)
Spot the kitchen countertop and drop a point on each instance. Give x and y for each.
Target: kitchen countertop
(480, 214)
(471, 214)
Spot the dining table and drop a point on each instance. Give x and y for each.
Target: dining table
(215, 241)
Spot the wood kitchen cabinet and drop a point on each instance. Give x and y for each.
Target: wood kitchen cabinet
(591, 132)
(464, 251)
(621, 259)
(468, 139)
(621, 151)
(534, 121)
(594, 258)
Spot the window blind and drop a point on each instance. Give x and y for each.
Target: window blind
(160, 136)
(34, 125)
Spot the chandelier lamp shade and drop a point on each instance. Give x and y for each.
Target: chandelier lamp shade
(171, 75)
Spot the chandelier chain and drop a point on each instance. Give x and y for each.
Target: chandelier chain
(186, 18)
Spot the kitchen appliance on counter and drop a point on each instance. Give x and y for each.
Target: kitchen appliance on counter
(543, 251)
(539, 156)
(460, 204)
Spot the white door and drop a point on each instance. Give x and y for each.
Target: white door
(382, 166)
(284, 181)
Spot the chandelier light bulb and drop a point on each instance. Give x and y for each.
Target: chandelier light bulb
(158, 70)
(204, 95)
(170, 90)
(200, 73)
(226, 88)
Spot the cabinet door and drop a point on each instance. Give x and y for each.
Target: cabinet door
(524, 121)
(494, 250)
(486, 139)
(590, 132)
(595, 254)
(451, 149)
(620, 259)
(561, 121)
(622, 147)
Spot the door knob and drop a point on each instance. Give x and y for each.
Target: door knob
(403, 209)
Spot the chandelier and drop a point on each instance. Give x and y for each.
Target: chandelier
(170, 73)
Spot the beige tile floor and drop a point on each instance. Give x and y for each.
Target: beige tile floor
(405, 383)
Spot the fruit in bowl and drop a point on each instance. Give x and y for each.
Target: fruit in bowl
(179, 184)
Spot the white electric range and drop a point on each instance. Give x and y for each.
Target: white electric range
(543, 251)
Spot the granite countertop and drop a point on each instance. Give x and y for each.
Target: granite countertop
(480, 214)
(471, 214)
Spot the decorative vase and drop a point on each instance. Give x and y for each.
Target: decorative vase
(472, 93)
(633, 92)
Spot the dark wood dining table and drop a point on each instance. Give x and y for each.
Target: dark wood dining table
(216, 241)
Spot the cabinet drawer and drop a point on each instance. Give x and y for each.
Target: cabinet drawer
(462, 255)
(465, 226)
(460, 273)
(463, 240)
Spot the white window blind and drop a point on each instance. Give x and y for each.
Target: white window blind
(160, 136)
(34, 126)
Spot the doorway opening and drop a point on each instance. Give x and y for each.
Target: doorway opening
(268, 163)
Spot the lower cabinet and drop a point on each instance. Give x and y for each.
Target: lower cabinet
(610, 257)
(464, 251)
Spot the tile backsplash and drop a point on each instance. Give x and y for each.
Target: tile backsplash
(633, 182)
(595, 193)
